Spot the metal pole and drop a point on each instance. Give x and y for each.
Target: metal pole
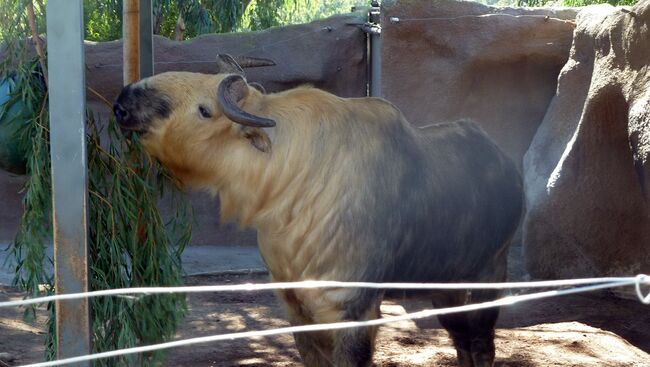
(375, 50)
(146, 39)
(69, 182)
(131, 40)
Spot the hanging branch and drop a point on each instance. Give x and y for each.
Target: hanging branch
(38, 43)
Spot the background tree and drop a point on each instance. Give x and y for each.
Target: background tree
(195, 17)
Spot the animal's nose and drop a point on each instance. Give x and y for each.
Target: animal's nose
(121, 114)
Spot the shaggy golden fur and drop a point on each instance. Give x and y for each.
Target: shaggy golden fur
(342, 189)
(290, 193)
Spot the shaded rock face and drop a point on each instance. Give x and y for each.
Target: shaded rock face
(586, 171)
(447, 60)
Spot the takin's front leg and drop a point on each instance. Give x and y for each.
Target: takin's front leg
(351, 347)
(315, 348)
(354, 347)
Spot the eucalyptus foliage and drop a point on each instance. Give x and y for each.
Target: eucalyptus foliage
(22, 69)
(130, 245)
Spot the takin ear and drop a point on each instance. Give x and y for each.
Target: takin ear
(257, 138)
(258, 86)
(228, 64)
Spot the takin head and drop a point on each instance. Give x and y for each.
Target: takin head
(190, 122)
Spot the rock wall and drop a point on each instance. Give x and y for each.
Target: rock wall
(447, 60)
(587, 169)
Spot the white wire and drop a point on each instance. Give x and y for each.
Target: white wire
(544, 16)
(326, 284)
(642, 279)
(340, 325)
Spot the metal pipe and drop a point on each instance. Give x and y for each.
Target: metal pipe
(146, 39)
(375, 50)
(67, 99)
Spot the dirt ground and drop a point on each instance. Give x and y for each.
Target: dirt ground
(582, 330)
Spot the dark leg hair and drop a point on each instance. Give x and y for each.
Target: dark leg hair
(481, 324)
(355, 347)
(311, 353)
(456, 324)
(473, 332)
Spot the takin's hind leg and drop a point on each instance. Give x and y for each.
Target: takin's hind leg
(471, 332)
(456, 324)
(482, 324)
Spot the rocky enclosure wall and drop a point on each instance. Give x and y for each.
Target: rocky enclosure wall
(586, 171)
(449, 60)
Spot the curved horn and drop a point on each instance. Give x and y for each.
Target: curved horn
(227, 64)
(253, 62)
(231, 90)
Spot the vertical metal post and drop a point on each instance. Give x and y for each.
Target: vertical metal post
(131, 40)
(375, 50)
(67, 95)
(146, 39)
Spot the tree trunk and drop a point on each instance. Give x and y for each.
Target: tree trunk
(179, 29)
(131, 40)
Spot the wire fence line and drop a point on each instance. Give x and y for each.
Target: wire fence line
(395, 19)
(637, 281)
(506, 301)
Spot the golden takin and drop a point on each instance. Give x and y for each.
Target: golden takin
(340, 189)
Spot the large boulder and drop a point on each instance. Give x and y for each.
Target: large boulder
(447, 60)
(587, 169)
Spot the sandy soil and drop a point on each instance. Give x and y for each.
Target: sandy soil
(582, 330)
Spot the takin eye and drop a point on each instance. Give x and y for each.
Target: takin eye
(205, 113)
